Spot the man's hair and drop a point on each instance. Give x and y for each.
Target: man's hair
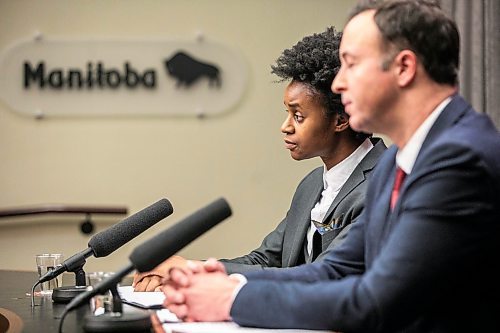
(314, 61)
(422, 27)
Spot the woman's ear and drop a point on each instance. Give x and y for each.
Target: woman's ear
(342, 122)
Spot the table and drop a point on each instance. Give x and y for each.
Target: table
(14, 289)
(15, 304)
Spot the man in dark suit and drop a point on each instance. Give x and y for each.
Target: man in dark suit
(333, 195)
(422, 255)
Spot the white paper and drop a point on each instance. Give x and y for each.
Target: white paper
(224, 327)
(166, 316)
(127, 293)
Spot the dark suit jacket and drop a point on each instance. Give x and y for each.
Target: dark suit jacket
(284, 245)
(426, 267)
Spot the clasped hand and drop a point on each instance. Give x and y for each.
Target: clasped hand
(152, 280)
(200, 291)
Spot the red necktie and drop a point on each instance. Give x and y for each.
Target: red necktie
(400, 176)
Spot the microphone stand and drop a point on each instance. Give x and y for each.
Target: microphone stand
(117, 320)
(74, 265)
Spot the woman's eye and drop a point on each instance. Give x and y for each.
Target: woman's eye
(298, 117)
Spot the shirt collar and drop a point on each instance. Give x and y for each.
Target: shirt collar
(338, 174)
(406, 157)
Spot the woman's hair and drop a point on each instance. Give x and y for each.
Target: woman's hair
(314, 61)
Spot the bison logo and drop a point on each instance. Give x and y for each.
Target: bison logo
(187, 70)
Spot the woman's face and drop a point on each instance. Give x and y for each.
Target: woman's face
(308, 132)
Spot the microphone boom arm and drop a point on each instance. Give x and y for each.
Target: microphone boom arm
(75, 264)
(72, 264)
(100, 288)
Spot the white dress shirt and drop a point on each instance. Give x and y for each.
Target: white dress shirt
(406, 157)
(333, 180)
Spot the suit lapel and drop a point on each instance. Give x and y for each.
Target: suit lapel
(304, 219)
(455, 110)
(381, 215)
(356, 178)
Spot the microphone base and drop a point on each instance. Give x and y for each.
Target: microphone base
(124, 322)
(66, 294)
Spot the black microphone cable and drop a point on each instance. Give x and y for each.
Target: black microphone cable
(33, 294)
(64, 314)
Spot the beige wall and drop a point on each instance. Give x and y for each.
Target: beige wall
(135, 161)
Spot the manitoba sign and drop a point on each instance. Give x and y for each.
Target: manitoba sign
(53, 77)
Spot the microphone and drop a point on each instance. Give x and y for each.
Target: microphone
(107, 241)
(151, 253)
(117, 235)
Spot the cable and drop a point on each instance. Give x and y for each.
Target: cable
(33, 293)
(62, 320)
(142, 306)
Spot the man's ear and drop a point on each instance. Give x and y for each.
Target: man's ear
(406, 67)
(342, 122)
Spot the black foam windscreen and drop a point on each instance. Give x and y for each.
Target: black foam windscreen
(150, 254)
(117, 235)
